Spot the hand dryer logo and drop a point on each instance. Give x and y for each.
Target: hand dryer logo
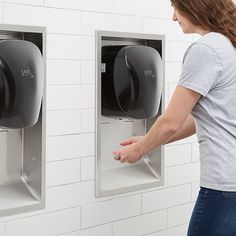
(27, 73)
(149, 73)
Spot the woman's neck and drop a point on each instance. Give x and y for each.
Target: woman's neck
(202, 31)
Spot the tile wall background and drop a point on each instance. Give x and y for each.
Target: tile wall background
(71, 208)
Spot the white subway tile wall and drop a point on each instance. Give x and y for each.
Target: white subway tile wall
(72, 195)
(87, 168)
(88, 72)
(195, 152)
(62, 172)
(1, 14)
(70, 146)
(98, 21)
(140, 225)
(63, 72)
(177, 155)
(150, 8)
(28, 2)
(103, 230)
(68, 47)
(63, 122)
(2, 229)
(71, 206)
(172, 72)
(109, 211)
(66, 97)
(195, 190)
(174, 231)
(46, 224)
(174, 213)
(61, 21)
(165, 26)
(89, 5)
(162, 199)
(175, 50)
(87, 120)
(181, 174)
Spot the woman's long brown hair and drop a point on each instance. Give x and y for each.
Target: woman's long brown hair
(213, 15)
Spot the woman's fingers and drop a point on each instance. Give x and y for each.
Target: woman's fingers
(119, 157)
(131, 140)
(128, 141)
(115, 155)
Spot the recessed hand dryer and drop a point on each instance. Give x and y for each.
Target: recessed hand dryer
(129, 99)
(21, 83)
(131, 81)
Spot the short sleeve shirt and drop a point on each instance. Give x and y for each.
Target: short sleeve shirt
(209, 68)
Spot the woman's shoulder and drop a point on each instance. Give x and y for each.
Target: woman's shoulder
(216, 41)
(211, 44)
(201, 50)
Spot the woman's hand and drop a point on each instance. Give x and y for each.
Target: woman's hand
(131, 152)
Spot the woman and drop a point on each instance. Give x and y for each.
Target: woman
(206, 97)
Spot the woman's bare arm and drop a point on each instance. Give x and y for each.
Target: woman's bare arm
(185, 131)
(165, 127)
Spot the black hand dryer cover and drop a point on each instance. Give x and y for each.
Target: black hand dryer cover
(132, 86)
(21, 83)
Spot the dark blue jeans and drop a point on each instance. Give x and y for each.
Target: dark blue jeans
(214, 214)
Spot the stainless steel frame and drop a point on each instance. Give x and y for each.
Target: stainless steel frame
(113, 177)
(22, 151)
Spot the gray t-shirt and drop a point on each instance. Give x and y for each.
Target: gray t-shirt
(209, 68)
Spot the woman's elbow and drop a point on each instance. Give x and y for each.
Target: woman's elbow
(171, 125)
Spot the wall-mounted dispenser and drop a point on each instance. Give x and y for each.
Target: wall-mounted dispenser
(130, 97)
(22, 119)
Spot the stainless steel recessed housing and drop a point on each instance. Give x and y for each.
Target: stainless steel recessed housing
(119, 115)
(22, 150)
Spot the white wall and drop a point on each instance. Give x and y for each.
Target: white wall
(71, 208)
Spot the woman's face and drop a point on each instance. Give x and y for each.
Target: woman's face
(184, 22)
